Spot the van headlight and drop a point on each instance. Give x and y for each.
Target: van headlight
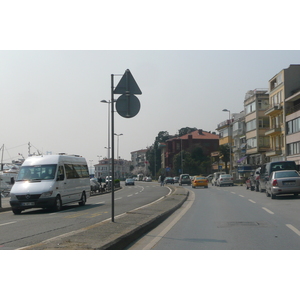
(47, 194)
(12, 196)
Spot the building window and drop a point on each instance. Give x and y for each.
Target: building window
(251, 125)
(251, 143)
(250, 108)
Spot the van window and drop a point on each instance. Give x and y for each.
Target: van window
(38, 172)
(76, 171)
(61, 173)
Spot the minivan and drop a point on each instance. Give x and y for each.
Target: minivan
(270, 167)
(50, 181)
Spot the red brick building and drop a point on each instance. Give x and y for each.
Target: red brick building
(209, 142)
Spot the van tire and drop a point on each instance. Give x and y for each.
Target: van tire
(16, 211)
(57, 204)
(83, 199)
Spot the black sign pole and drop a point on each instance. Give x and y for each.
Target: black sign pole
(112, 152)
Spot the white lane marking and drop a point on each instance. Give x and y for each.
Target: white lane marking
(267, 210)
(130, 195)
(293, 228)
(233, 193)
(251, 200)
(242, 196)
(190, 202)
(118, 198)
(8, 223)
(104, 201)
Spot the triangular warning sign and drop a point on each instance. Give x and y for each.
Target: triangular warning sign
(127, 84)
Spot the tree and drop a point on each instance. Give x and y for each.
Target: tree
(225, 155)
(186, 130)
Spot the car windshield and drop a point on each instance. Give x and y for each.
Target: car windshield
(286, 174)
(129, 179)
(227, 175)
(37, 173)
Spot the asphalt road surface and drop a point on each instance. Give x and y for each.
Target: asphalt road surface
(228, 218)
(36, 225)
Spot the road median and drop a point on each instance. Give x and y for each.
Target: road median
(117, 235)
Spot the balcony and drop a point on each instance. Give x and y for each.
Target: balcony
(273, 110)
(274, 152)
(275, 130)
(292, 109)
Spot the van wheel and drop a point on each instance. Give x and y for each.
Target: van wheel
(16, 211)
(83, 200)
(57, 204)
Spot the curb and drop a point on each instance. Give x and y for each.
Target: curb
(117, 235)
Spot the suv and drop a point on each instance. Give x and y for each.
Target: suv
(270, 167)
(185, 179)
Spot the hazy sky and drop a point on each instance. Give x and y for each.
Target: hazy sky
(52, 98)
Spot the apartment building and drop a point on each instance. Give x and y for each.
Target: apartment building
(282, 97)
(256, 124)
(104, 168)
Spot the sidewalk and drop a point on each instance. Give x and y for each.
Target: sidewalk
(5, 206)
(117, 235)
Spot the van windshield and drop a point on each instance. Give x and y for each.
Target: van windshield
(37, 173)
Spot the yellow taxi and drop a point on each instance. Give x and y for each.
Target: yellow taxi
(200, 181)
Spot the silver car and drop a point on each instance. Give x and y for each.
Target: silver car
(283, 182)
(225, 179)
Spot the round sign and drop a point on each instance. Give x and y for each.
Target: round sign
(128, 106)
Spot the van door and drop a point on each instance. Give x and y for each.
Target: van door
(62, 184)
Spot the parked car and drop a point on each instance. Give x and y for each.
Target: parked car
(215, 177)
(169, 180)
(185, 179)
(95, 185)
(270, 167)
(129, 181)
(200, 181)
(210, 177)
(225, 179)
(148, 179)
(176, 179)
(283, 182)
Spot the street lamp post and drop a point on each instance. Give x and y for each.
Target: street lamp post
(230, 145)
(118, 135)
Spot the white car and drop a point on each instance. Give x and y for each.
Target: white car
(225, 179)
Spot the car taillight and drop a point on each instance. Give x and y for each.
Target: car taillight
(274, 183)
(231, 178)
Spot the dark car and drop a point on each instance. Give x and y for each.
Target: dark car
(270, 167)
(169, 180)
(129, 181)
(185, 179)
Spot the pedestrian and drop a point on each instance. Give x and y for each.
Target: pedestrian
(162, 180)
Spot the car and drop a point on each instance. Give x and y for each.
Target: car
(225, 179)
(270, 167)
(148, 179)
(215, 177)
(169, 180)
(95, 185)
(185, 179)
(283, 182)
(129, 181)
(176, 179)
(200, 181)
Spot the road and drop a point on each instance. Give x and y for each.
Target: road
(35, 225)
(228, 218)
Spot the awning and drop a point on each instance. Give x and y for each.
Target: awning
(241, 159)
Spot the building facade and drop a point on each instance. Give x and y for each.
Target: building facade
(207, 141)
(282, 86)
(104, 168)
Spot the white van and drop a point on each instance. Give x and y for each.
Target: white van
(50, 181)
